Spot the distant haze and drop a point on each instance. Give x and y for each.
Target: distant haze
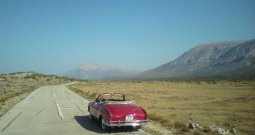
(99, 67)
(97, 72)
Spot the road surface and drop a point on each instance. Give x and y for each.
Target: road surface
(54, 110)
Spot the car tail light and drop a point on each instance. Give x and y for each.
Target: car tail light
(110, 117)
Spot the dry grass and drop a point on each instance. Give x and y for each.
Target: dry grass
(175, 104)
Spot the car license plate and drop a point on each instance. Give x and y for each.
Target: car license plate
(129, 118)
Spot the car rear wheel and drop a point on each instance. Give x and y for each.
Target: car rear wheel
(104, 127)
(91, 117)
(137, 127)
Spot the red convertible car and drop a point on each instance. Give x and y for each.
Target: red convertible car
(112, 110)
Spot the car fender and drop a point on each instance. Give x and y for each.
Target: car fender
(104, 112)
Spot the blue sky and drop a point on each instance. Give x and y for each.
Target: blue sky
(55, 36)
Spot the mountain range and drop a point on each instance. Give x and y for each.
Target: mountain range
(214, 59)
(98, 71)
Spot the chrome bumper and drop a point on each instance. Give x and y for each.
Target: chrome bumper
(124, 123)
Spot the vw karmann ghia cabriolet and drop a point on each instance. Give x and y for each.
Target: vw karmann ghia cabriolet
(112, 110)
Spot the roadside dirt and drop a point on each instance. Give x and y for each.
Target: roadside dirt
(8, 104)
(155, 129)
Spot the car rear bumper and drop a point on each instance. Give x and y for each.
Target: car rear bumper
(124, 123)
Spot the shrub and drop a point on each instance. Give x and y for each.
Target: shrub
(197, 132)
(185, 129)
(158, 118)
(179, 124)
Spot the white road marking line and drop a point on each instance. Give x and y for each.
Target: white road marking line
(59, 111)
(54, 94)
(53, 91)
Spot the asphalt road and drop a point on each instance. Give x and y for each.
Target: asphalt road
(54, 110)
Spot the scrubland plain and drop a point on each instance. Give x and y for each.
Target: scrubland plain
(174, 104)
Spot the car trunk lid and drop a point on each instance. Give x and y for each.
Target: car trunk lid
(120, 111)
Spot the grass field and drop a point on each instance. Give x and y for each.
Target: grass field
(175, 104)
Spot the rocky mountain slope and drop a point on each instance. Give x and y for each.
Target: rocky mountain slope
(97, 71)
(215, 59)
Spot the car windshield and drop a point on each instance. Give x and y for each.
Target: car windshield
(111, 97)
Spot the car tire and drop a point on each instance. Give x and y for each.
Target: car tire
(91, 117)
(137, 127)
(104, 127)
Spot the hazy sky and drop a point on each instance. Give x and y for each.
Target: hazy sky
(55, 36)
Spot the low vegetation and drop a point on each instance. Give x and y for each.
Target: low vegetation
(170, 105)
(174, 104)
(16, 86)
